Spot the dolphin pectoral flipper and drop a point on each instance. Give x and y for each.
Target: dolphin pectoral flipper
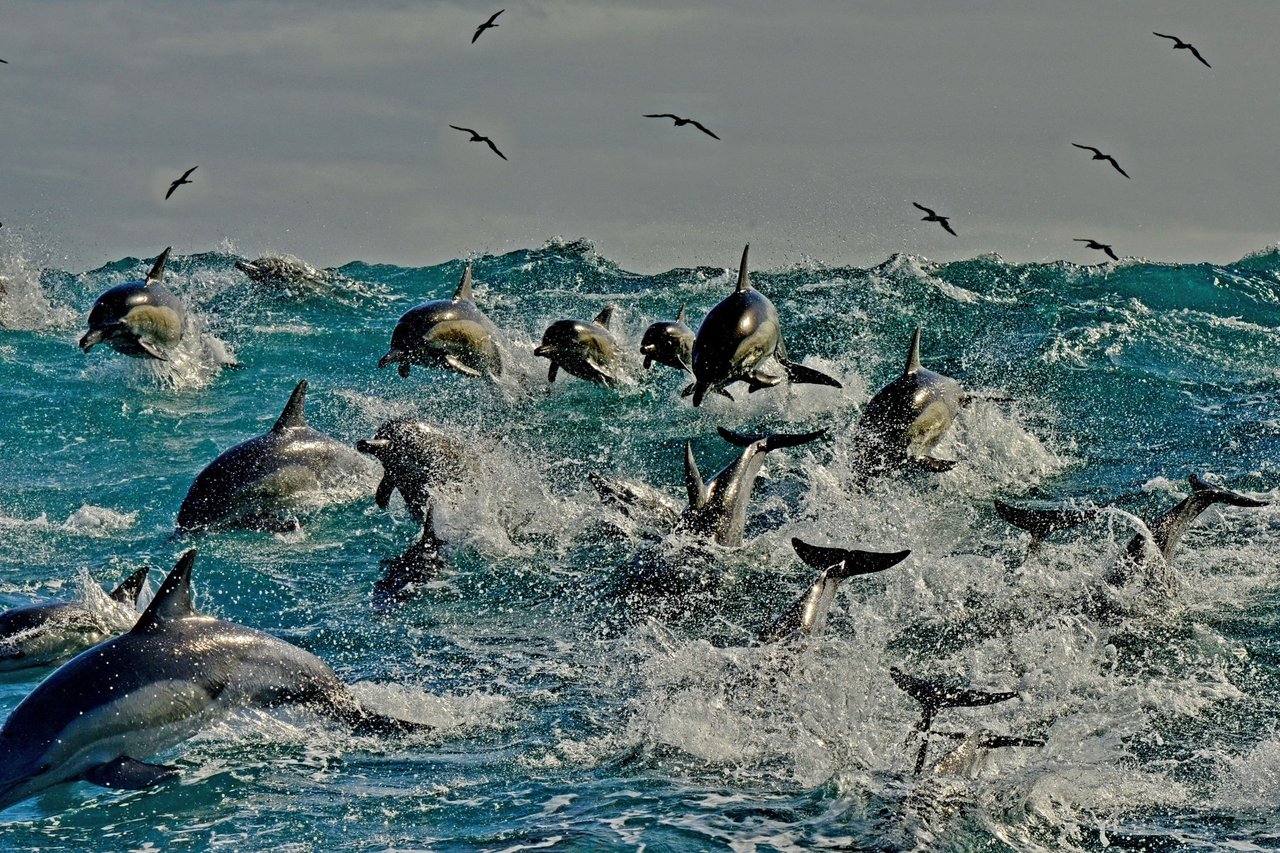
(151, 350)
(801, 375)
(129, 774)
(385, 487)
(552, 371)
(456, 364)
(758, 380)
(770, 441)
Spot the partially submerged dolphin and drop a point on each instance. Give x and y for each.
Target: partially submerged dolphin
(807, 616)
(586, 350)
(44, 634)
(416, 458)
(99, 715)
(283, 270)
(423, 561)
(734, 340)
(669, 342)
(255, 483)
(448, 333)
(142, 318)
(1166, 530)
(718, 509)
(906, 418)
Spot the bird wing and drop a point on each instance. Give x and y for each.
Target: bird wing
(699, 126)
(495, 148)
(464, 129)
(1117, 165)
(173, 186)
(187, 173)
(1087, 148)
(922, 207)
(947, 225)
(1081, 240)
(1110, 252)
(1197, 55)
(4, 62)
(671, 116)
(479, 30)
(1163, 36)
(495, 16)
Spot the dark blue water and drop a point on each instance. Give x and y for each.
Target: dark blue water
(565, 723)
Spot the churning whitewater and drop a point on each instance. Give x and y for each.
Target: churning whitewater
(597, 663)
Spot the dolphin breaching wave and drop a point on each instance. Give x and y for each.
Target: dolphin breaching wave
(566, 718)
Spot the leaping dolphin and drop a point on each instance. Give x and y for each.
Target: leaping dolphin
(718, 509)
(669, 342)
(807, 616)
(99, 715)
(141, 319)
(416, 458)
(736, 338)
(586, 350)
(256, 482)
(448, 333)
(49, 633)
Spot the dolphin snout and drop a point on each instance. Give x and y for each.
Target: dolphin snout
(372, 446)
(391, 357)
(92, 339)
(545, 350)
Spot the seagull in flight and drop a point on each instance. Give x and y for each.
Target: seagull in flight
(180, 181)
(1094, 244)
(681, 122)
(1098, 155)
(932, 216)
(487, 25)
(476, 137)
(1179, 44)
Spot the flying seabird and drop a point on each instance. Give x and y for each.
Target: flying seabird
(681, 122)
(487, 25)
(1179, 44)
(476, 137)
(1098, 155)
(180, 181)
(944, 221)
(1094, 244)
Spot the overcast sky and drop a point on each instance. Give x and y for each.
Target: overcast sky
(322, 128)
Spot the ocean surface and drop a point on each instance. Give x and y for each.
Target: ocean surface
(567, 718)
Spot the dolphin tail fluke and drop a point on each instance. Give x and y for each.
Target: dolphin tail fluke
(773, 441)
(1217, 495)
(129, 774)
(464, 287)
(1042, 523)
(844, 563)
(801, 375)
(129, 590)
(157, 269)
(294, 414)
(605, 315)
(913, 353)
(744, 281)
(930, 464)
(693, 479)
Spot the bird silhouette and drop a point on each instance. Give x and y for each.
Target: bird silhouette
(487, 25)
(476, 137)
(4, 62)
(1179, 44)
(180, 181)
(681, 122)
(1094, 244)
(1098, 155)
(944, 221)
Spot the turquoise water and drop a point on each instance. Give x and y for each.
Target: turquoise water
(565, 721)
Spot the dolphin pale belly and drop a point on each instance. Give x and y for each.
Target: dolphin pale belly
(585, 350)
(906, 418)
(416, 458)
(99, 715)
(142, 319)
(49, 633)
(452, 334)
(257, 482)
(735, 339)
(669, 342)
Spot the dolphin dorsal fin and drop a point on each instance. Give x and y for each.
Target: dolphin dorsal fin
(129, 589)
(157, 269)
(913, 353)
(605, 315)
(744, 281)
(173, 599)
(680, 316)
(293, 414)
(693, 479)
(464, 286)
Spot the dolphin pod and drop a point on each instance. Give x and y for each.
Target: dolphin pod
(141, 318)
(100, 714)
